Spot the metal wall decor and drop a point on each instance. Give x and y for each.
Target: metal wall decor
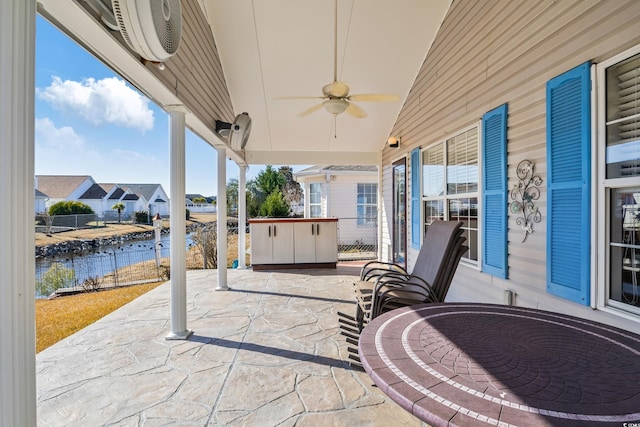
(523, 194)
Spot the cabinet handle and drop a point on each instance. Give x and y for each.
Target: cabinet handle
(269, 231)
(312, 229)
(317, 229)
(274, 231)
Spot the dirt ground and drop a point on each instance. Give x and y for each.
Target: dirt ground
(112, 230)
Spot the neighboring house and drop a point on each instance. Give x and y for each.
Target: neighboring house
(207, 207)
(151, 198)
(41, 202)
(189, 198)
(349, 193)
(63, 187)
(100, 197)
(95, 197)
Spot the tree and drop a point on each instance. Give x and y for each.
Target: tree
(119, 207)
(291, 189)
(199, 200)
(269, 180)
(232, 197)
(275, 206)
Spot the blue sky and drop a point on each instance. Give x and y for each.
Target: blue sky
(89, 121)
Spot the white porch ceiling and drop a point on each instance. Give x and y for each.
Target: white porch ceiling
(278, 48)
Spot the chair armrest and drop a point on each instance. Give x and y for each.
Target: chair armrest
(375, 268)
(412, 285)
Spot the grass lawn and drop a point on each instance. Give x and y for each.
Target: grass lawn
(58, 318)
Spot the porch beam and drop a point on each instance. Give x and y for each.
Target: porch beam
(242, 217)
(17, 234)
(178, 237)
(319, 157)
(221, 222)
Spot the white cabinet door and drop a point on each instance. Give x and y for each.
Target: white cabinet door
(326, 237)
(305, 242)
(261, 243)
(282, 237)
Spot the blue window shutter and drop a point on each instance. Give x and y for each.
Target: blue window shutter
(568, 184)
(415, 198)
(494, 192)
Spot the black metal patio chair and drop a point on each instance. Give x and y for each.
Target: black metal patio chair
(385, 286)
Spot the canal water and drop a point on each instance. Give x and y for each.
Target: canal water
(106, 259)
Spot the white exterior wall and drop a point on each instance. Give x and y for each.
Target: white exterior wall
(40, 205)
(342, 203)
(468, 73)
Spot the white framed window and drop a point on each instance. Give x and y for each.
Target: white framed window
(367, 204)
(450, 177)
(315, 200)
(618, 154)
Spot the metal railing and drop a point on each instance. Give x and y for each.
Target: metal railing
(138, 261)
(357, 238)
(58, 223)
(130, 263)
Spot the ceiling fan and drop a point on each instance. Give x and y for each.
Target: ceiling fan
(336, 94)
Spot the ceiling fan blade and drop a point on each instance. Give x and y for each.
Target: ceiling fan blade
(374, 97)
(356, 111)
(310, 110)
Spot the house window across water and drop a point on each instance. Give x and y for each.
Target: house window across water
(315, 200)
(619, 144)
(367, 204)
(450, 176)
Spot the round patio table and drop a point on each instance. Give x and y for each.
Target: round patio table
(481, 364)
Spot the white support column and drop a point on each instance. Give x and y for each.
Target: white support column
(17, 269)
(242, 217)
(221, 222)
(178, 238)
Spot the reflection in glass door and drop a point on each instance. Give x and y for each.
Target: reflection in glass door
(399, 232)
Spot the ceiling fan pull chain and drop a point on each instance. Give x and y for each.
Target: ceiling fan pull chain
(335, 126)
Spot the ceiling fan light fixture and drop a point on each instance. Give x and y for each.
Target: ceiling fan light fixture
(335, 106)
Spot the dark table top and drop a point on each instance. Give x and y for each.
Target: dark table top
(480, 364)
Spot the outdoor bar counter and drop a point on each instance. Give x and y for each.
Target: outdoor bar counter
(470, 364)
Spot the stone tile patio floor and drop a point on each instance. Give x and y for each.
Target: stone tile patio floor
(266, 353)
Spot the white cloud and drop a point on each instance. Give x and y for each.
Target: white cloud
(47, 134)
(106, 101)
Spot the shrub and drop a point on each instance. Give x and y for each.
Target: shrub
(56, 277)
(165, 272)
(275, 206)
(188, 215)
(92, 284)
(206, 240)
(142, 217)
(70, 207)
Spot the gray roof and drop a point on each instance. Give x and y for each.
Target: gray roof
(40, 194)
(144, 190)
(117, 193)
(95, 192)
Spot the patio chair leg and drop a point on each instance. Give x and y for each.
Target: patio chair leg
(346, 316)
